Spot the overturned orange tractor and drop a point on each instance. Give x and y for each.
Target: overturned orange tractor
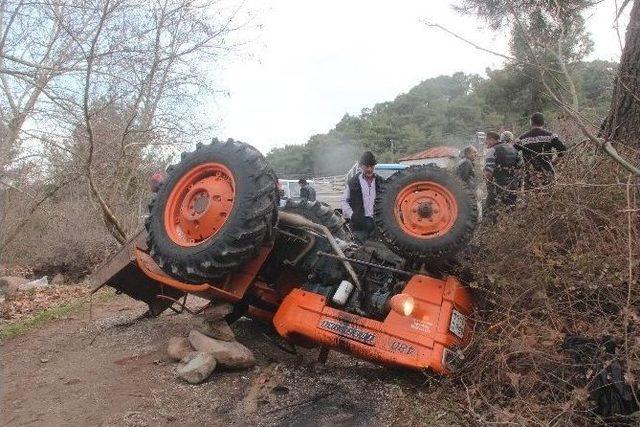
(214, 230)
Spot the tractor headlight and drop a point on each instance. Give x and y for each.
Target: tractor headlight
(402, 304)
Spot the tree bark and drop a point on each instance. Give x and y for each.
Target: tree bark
(623, 122)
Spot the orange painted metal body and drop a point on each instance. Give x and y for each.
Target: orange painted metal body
(417, 341)
(232, 289)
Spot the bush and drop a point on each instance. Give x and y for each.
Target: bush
(564, 261)
(63, 236)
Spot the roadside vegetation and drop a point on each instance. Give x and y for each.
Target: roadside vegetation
(35, 308)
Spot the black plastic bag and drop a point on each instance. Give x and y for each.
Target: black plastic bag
(603, 373)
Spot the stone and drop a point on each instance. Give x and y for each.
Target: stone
(228, 354)
(217, 311)
(9, 285)
(218, 329)
(58, 279)
(42, 282)
(178, 348)
(196, 367)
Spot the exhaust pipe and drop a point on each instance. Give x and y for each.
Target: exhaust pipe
(295, 220)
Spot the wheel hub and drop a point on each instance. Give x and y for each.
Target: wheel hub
(426, 209)
(200, 203)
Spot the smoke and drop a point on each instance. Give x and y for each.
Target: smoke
(334, 158)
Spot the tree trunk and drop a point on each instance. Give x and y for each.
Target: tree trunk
(623, 122)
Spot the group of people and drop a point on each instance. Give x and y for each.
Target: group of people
(512, 164)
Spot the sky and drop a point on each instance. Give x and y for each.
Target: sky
(310, 62)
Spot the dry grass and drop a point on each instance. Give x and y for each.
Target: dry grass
(564, 261)
(33, 309)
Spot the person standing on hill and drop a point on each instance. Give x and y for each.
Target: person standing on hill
(537, 147)
(466, 169)
(501, 173)
(307, 192)
(508, 138)
(359, 197)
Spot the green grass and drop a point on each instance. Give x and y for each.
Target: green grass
(42, 317)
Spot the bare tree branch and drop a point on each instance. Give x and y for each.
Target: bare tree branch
(27, 216)
(469, 42)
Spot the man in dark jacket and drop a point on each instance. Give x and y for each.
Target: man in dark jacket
(537, 147)
(501, 170)
(466, 169)
(307, 192)
(359, 196)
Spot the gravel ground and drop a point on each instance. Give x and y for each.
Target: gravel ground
(107, 367)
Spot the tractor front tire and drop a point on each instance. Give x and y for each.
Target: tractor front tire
(213, 212)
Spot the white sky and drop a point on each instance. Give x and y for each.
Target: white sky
(314, 61)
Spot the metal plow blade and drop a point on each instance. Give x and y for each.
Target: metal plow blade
(122, 273)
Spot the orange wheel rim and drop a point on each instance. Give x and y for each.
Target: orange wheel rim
(425, 210)
(199, 204)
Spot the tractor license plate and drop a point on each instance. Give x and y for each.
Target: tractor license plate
(457, 323)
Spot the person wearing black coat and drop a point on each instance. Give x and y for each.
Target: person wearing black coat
(537, 147)
(307, 192)
(359, 197)
(466, 169)
(501, 171)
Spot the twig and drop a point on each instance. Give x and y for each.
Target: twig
(469, 42)
(629, 284)
(31, 211)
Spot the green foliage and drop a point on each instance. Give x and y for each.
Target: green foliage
(537, 24)
(445, 110)
(546, 37)
(594, 81)
(291, 160)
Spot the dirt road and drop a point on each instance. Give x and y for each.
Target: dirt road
(110, 369)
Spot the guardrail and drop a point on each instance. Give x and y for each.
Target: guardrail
(329, 189)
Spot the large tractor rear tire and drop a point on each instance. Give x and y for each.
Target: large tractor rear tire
(320, 213)
(214, 211)
(424, 213)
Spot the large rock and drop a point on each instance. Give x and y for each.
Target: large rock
(228, 354)
(42, 282)
(178, 348)
(9, 285)
(196, 367)
(218, 329)
(58, 279)
(217, 311)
